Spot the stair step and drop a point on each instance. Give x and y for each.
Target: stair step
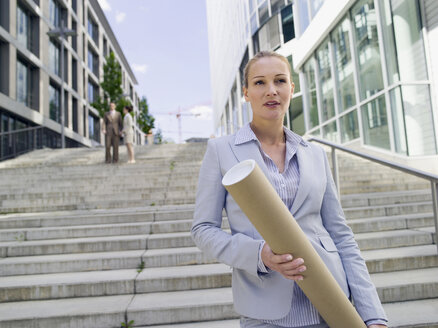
(387, 210)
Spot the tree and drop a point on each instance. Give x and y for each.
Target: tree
(112, 87)
(144, 119)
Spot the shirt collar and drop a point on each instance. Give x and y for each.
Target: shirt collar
(246, 134)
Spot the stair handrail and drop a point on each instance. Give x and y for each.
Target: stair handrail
(433, 178)
(21, 130)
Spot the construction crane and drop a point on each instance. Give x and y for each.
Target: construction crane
(179, 113)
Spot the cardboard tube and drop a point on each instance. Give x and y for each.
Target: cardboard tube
(260, 202)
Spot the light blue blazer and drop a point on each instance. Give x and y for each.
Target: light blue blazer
(316, 209)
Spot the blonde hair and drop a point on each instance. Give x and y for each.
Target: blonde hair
(263, 54)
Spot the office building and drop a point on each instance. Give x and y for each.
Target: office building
(365, 71)
(30, 73)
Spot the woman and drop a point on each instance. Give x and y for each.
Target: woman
(263, 285)
(128, 132)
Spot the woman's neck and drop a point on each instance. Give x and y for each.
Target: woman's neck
(270, 133)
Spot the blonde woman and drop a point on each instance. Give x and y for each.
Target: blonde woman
(263, 283)
(128, 132)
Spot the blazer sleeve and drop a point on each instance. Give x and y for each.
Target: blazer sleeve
(236, 250)
(362, 289)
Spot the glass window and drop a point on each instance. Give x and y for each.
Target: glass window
(54, 13)
(412, 120)
(54, 57)
(326, 82)
(349, 127)
(93, 30)
(344, 66)
(23, 25)
(295, 76)
(263, 12)
(75, 114)
(276, 5)
(74, 73)
(375, 123)
(330, 131)
(408, 40)
(367, 45)
(296, 115)
(93, 92)
(388, 37)
(54, 103)
(287, 21)
(309, 74)
(303, 12)
(252, 6)
(254, 25)
(22, 83)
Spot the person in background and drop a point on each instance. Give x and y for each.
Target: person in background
(128, 133)
(264, 290)
(111, 129)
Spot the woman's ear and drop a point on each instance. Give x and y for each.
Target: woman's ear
(245, 93)
(292, 90)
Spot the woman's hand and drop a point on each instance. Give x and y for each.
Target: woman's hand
(285, 264)
(377, 326)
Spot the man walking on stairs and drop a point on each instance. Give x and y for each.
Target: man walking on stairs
(111, 129)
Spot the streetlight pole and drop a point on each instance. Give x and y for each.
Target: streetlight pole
(62, 32)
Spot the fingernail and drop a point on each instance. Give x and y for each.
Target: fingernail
(300, 261)
(300, 278)
(302, 269)
(289, 258)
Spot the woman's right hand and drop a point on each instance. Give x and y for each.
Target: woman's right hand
(285, 264)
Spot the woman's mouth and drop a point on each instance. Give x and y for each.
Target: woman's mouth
(271, 104)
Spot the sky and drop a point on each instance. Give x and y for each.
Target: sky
(166, 45)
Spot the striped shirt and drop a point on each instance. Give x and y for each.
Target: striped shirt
(302, 312)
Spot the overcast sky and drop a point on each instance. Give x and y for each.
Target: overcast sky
(166, 45)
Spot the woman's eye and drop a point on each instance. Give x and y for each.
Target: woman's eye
(258, 83)
(281, 81)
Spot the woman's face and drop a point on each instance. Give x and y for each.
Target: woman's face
(269, 89)
(125, 111)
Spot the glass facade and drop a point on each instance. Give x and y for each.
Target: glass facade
(22, 83)
(23, 25)
(54, 62)
(366, 80)
(55, 103)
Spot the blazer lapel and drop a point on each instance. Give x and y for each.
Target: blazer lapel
(303, 153)
(249, 150)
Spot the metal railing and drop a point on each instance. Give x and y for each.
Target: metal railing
(18, 142)
(432, 178)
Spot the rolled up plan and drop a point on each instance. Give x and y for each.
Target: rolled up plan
(264, 208)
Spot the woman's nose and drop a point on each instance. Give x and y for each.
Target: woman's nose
(272, 90)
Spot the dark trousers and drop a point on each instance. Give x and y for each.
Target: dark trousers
(111, 140)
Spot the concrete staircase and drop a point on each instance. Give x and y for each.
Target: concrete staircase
(85, 244)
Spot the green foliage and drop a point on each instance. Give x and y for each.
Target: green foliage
(112, 87)
(130, 324)
(144, 119)
(172, 165)
(159, 136)
(20, 237)
(140, 267)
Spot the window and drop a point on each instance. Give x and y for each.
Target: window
(105, 47)
(344, 66)
(74, 73)
(367, 45)
(349, 127)
(4, 14)
(27, 84)
(27, 29)
(269, 35)
(309, 74)
(276, 5)
(23, 95)
(74, 5)
(23, 26)
(54, 102)
(4, 67)
(66, 102)
(375, 123)
(325, 82)
(93, 61)
(74, 38)
(93, 127)
(93, 91)
(263, 12)
(93, 29)
(54, 62)
(287, 22)
(54, 12)
(74, 113)
(303, 14)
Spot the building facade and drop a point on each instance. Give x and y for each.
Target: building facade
(365, 71)
(30, 73)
